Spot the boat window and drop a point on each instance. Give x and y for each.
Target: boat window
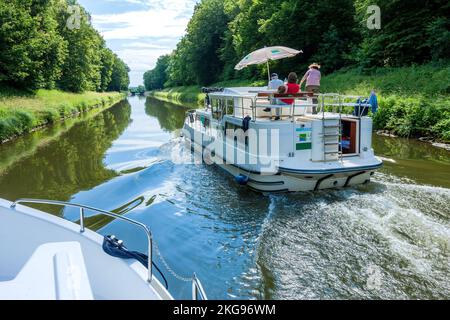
(229, 106)
(217, 108)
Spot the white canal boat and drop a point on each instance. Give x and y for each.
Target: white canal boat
(317, 142)
(44, 257)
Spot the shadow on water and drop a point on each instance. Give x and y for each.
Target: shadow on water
(387, 239)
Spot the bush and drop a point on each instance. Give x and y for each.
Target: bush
(64, 110)
(16, 123)
(49, 116)
(414, 117)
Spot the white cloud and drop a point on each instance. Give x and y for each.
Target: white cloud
(141, 59)
(163, 19)
(147, 45)
(144, 35)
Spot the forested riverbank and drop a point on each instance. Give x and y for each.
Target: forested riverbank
(412, 100)
(405, 58)
(53, 65)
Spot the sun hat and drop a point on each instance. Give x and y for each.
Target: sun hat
(312, 65)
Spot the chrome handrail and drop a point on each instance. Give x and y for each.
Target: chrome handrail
(197, 288)
(107, 213)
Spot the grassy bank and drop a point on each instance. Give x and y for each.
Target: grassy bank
(23, 112)
(413, 101)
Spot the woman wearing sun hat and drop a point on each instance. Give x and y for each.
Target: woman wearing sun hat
(312, 78)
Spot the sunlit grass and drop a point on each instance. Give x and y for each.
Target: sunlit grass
(425, 80)
(21, 112)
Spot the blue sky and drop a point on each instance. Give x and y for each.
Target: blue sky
(140, 31)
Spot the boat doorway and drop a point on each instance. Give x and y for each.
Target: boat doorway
(350, 137)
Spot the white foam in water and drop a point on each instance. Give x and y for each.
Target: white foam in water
(323, 244)
(176, 151)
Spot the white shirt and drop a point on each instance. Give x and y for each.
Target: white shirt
(275, 83)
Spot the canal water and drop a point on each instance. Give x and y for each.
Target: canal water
(387, 239)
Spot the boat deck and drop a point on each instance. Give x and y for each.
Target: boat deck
(49, 258)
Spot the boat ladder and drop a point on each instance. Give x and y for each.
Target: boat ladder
(331, 133)
(331, 129)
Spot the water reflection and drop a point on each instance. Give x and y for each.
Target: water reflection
(414, 159)
(170, 116)
(71, 163)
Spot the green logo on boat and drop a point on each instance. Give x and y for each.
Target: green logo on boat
(303, 146)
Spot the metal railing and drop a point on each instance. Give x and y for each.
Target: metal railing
(337, 103)
(106, 213)
(323, 101)
(197, 287)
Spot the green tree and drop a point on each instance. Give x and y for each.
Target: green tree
(227, 52)
(157, 77)
(31, 50)
(301, 25)
(82, 67)
(411, 32)
(438, 32)
(107, 63)
(197, 57)
(332, 52)
(179, 70)
(119, 79)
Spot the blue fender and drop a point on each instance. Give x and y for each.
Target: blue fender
(241, 179)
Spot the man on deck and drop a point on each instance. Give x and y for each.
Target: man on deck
(275, 83)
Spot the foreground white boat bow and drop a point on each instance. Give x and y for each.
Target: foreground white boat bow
(45, 257)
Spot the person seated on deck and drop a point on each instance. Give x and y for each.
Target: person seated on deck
(274, 84)
(275, 101)
(291, 87)
(281, 90)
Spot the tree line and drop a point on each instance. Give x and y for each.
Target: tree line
(332, 33)
(47, 44)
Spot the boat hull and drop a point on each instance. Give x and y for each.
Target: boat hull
(289, 180)
(298, 182)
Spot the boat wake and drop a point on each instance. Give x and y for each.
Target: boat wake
(382, 240)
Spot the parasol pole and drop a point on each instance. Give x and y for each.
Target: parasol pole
(268, 70)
